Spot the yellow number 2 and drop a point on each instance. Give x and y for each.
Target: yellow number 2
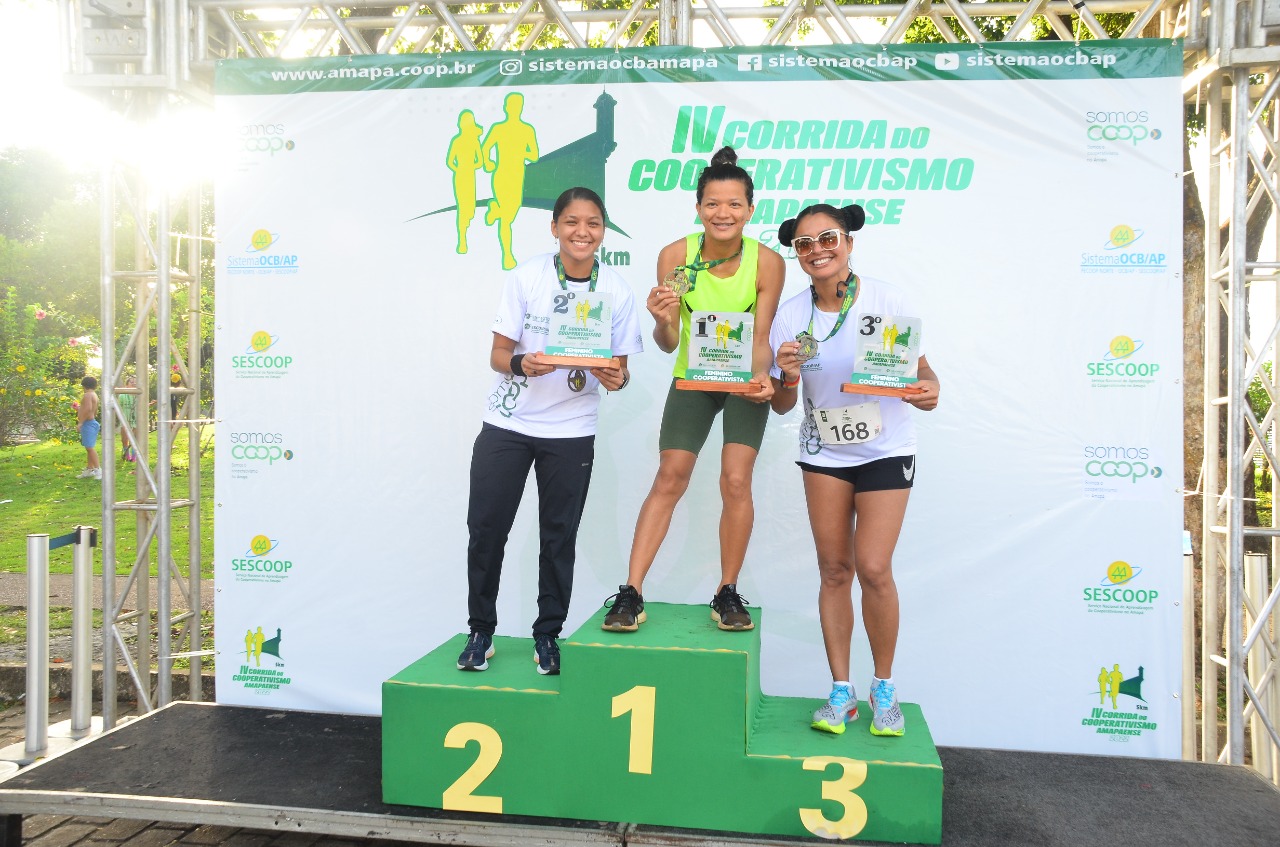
(639, 701)
(458, 797)
(853, 773)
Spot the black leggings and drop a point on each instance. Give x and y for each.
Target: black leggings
(500, 465)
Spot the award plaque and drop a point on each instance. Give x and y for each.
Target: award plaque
(580, 333)
(888, 356)
(719, 353)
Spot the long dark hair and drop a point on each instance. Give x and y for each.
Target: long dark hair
(724, 166)
(578, 192)
(850, 218)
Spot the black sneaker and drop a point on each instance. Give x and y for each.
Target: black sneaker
(475, 656)
(626, 612)
(546, 652)
(729, 610)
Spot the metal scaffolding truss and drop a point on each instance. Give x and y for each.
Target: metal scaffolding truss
(145, 54)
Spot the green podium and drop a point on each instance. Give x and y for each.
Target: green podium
(665, 726)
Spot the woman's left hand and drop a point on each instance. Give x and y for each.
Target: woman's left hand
(610, 378)
(926, 400)
(764, 388)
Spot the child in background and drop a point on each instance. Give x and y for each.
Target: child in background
(87, 424)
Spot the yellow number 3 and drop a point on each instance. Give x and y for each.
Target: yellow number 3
(458, 797)
(853, 773)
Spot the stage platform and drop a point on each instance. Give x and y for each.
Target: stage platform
(321, 773)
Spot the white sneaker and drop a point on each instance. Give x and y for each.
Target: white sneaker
(97, 473)
(85, 474)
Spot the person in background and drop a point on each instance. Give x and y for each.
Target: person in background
(88, 427)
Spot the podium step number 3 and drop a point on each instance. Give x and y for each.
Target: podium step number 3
(665, 726)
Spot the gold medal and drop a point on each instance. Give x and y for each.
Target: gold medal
(678, 282)
(808, 347)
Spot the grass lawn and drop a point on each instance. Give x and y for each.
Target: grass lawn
(39, 492)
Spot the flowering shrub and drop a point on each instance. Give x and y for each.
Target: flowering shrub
(40, 372)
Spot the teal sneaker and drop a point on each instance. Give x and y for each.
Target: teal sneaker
(886, 717)
(841, 708)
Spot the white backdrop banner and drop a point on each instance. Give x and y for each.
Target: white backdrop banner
(1027, 196)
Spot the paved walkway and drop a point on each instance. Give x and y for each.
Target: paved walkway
(13, 592)
(77, 831)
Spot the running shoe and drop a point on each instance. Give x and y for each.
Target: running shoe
(886, 717)
(841, 708)
(546, 652)
(729, 610)
(626, 611)
(475, 656)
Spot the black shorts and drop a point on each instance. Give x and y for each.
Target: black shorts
(889, 474)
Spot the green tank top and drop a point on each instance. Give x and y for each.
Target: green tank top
(735, 293)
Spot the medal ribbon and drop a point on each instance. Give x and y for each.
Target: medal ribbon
(563, 277)
(699, 265)
(850, 294)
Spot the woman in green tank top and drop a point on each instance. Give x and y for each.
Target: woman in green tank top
(730, 273)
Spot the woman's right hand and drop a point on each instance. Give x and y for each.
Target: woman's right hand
(532, 365)
(664, 305)
(788, 362)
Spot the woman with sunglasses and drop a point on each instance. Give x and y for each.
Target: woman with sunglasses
(856, 490)
(543, 418)
(722, 270)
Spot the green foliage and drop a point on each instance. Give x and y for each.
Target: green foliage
(991, 28)
(1259, 400)
(40, 367)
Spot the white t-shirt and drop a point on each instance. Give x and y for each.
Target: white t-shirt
(822, 376)
(547, 406)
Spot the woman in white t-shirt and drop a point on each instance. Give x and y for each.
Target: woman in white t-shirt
(858, 474)
(544, 418)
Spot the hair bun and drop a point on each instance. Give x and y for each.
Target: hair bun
(725, 156)
(787, 232)
(855, 216)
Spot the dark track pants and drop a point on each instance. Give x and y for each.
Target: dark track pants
(500, 463)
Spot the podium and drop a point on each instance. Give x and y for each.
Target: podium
(665, 726)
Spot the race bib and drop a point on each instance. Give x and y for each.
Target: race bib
(848, 425)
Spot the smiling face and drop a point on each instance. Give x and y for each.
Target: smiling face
(824, 265)
(724, 210)
(580, 229)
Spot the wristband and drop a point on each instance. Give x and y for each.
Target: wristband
(516, 367)
(626, 378)
(786, 384)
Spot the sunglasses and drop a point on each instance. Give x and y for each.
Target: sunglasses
(828, 240)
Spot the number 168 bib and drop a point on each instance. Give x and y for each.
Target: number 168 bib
(848, 425)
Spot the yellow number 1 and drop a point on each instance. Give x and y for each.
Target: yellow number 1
(639, 701)
(853, 774)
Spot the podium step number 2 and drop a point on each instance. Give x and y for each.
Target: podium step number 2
(665, 726)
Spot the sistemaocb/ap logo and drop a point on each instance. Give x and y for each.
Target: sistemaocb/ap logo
(262, 255)
(261, 562)
(255, 453)
(1121, 366)
(262, 670)
(263, 358)
(1125, 250)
